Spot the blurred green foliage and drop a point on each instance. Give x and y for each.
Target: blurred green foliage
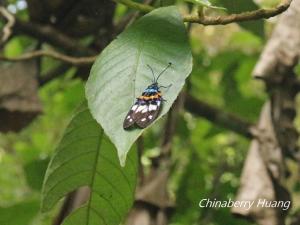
(24, 156)
(207, 159)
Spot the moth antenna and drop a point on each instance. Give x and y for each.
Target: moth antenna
(152, 73)
(161, 86)
(163, 71)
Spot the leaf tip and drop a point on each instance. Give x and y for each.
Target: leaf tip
(122, 158)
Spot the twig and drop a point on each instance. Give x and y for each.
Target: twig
(240, 17)
(129, 19)
(7, 30)
(53, 54)
(219, 20)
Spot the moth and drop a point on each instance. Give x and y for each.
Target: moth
(147, 106)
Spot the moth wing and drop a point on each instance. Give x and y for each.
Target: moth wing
(148, 114)
(130, 117)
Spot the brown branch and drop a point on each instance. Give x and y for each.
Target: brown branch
(276, 68)
(7, 30)
(219, 20)
(265, 165)
(53, 54)
(140, 148)
(48, 33)
(218, 116)
(170, 126)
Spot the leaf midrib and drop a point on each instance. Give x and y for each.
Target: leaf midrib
(93, 175)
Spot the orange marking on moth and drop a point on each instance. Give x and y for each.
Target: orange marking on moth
(150, 97)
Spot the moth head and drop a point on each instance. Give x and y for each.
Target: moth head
(153, 86)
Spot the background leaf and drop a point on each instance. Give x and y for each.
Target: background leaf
(120, 74)
(34, 173)
(85, 156)
(21, 213)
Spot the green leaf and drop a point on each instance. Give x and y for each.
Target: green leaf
(85, 156)
(257, 26)
(121, 74)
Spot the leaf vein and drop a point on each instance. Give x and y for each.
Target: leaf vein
(114, 187)
(99, 215)
(68, 161)
(78, 126)
(74, 141)
(113, 208)
(120, 171)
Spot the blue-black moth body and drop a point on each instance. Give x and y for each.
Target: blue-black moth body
(147, 106)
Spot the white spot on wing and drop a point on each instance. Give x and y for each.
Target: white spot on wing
(150, 117)
(130, 120)
(144, 119)
(134, 107)
(140, 108)
(152, 107)
(145, 110)
(128, 117)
